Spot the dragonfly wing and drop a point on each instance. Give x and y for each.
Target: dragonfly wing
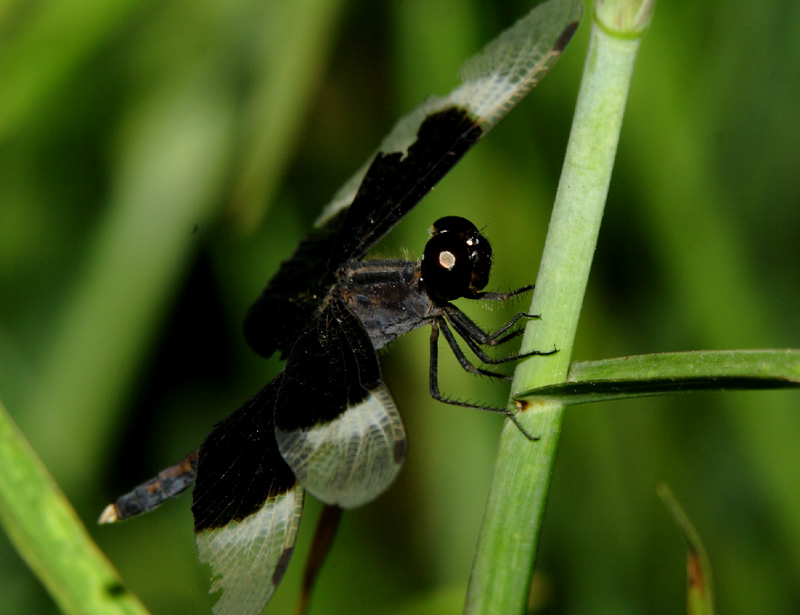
(425, 144)
(336, 424)
(247, 505)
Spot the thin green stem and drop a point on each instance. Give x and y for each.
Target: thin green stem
(505, 556)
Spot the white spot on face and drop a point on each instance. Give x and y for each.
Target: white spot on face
(472, 241)
(447, 260)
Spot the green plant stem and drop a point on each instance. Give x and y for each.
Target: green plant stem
(503, 564)
(48, 534)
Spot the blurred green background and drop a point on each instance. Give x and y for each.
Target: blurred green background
(159, 159)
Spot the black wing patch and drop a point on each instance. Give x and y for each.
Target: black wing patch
(293, 294)
(396, 182)
(421, 148)
(247, 506)
(336, 424)
(494, 80)
(328, 420)
(393, 185)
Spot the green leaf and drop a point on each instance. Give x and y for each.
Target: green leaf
(674, 372)
(51, 538)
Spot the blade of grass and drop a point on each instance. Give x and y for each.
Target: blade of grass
(39, 57)
(294, 57)
(699, 590)
(172, 162)
(51, 538)
(673, 372)
(503, 564)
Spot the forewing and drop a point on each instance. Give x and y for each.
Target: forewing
(336, 424)
(426, 143)
(247, 506)
(422, 147)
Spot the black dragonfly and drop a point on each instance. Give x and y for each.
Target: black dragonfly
(327, 423)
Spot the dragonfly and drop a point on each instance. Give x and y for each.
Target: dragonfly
(327, 424)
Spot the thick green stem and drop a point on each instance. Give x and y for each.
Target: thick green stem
(49, 536)
(504, 560)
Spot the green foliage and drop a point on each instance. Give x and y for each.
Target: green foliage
(158, 160)
(672, 372)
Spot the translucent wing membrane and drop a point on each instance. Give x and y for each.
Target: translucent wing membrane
(248, 557)
(336, 424)
(353, 458)
(494, 80)
(513, 63)
(247, 506)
